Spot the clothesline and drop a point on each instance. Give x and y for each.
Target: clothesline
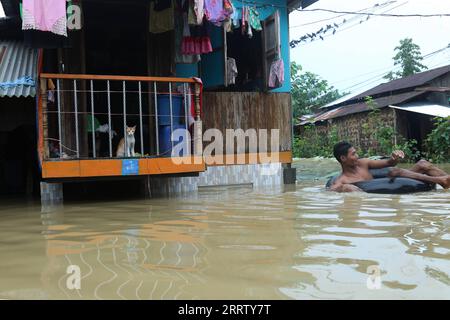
(260, 5)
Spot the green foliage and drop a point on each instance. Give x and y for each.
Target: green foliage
(408, 56)
(438, 141)
(309, 91)
(385, 136)
(409, 147)
(313, 144)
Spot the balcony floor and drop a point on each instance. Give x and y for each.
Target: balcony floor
(120, 167)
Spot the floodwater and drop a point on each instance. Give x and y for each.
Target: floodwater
(231, 243)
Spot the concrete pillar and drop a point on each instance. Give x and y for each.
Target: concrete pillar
(289, 174)
(51, 192)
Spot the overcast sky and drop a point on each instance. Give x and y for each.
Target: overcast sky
(365, 50)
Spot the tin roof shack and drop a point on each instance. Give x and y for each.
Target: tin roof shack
(127, 63)
(407, 105)
(19, 172)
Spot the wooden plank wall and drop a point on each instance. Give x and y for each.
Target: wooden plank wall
(246, 110)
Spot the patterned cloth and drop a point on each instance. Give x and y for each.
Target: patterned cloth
(232, 71)
(276, 75)
(235, 17)
(45, 15)
(253, 19)
(218, 10)
(199, 9)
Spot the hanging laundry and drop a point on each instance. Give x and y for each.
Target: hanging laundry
(232, 71)
(217, 11)
(51, 90)
(161, 16)
(228, 25)
(192, 17)
(276, 75)
(190, 92)
(182, 31)
(199, 9)
(45, 15)
(235, 17)
(190, 101)
(228, 8)
(249, 31)
(244, 19)
(186, 7)
(253, 19)
(198, 43)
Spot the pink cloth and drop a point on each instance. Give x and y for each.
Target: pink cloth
(276, 75)
(216, 11)
(196, 45)
(45, 15)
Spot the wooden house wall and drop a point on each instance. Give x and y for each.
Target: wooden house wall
(350, 128)
(247, 110)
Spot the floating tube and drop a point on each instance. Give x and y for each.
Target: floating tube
(383, 184)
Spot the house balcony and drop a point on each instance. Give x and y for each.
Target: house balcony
(82, 119)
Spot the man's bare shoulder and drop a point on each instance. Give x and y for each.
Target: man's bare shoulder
(364, 162)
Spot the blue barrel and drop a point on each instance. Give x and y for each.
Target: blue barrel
(164, 109)
(165, 144)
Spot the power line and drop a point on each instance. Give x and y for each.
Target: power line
(321, 33)
(338, 16)
(381, 75)
(357, 24)
(414, 15)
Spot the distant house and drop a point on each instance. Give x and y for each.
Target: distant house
(123, 64)
(408, 105)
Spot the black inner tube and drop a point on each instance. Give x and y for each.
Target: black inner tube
(383, 184)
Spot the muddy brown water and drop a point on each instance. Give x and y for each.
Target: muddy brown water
(232, 243)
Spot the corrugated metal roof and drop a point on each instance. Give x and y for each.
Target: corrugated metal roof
(427, 108)
(347, 97)
(363, 107)
(17, 62)
(411, 81)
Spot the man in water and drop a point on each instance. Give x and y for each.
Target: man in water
(355, 169)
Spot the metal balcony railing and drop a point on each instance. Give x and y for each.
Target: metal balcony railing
(86, 116)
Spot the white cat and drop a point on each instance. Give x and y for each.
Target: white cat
(126, 146)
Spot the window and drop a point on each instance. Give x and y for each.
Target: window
(272, 45)
(253, 57)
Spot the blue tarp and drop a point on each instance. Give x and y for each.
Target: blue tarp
(24, 81)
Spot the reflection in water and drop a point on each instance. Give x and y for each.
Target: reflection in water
(230, 243)
(124, 258)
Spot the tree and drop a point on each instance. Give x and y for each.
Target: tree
(309, 91)
(408, 57)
